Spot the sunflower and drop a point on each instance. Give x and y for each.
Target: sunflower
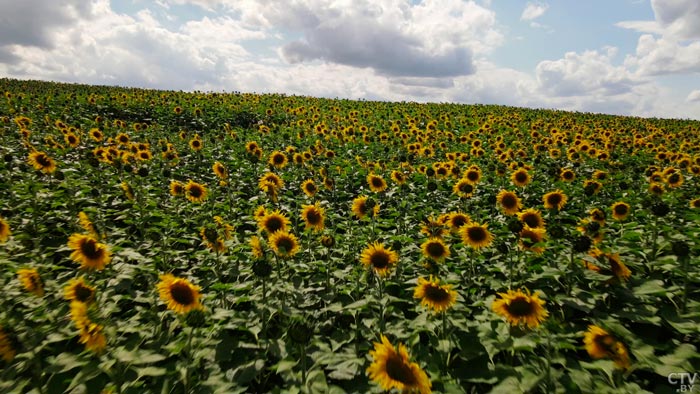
(176, 188)
(456, 220)
(96, 134)
(398, 177)
(122, 139)
(309, 187)
(472, 175)
(674, 179)
(78, 290)
(220, 170)
(88, 252)
(656, 188)
(211, 238)
(379, 258)
(284, 244)
(620, 210)
(433, 228)
(278, 159)
(362, 205)
(463, 188)
(195, 192)
(433, 296)
(476, 235)
(4, 230)
(87, 224)
(7, 350)
(273, 222)
(600, 344)
(436, 249)
(31, 281)
(128, 190)
(260, 212)
(178, 294)
(508, 202)
(42, 162)
(567, 175)
(256, 247)
(392, 369)
(92, 337)
(520, 177)
(196, 143)
(376, 183)
(268, 178)
(313, 216)
(531, 217)
(530, 237)
(520, 308)
(597, 215)
(555, 200)
(617, 267)
(591, 186)
(694, 203)
(71, 139)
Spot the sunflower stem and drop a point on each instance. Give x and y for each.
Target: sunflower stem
(303, 365)
(686, 284)
(380, 287)
(654, 240)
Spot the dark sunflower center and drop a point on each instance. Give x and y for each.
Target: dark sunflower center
(529, 238)
(273, 224)
(311, 188)
(520, 307)
(90, 250)
(436, 293)
(195, 143)
(509, 201)
(43, 160)
(278, 159)
(177, 189)
(673, 178)
(377, 182)
(476, 234)
(82, 293)
(442, 171)
(313, 216)
(531, 220)
(466, 188)
(435, 249)
(620, 209)
(554, 199)
(195, 191)
(182, 293)
(521, 177)
(473, 176)
(71, 139)
(362, 207)
(606, 342)
(568, 175)
(458, 221)
(379, 259)
(399, 371)
(285, 244)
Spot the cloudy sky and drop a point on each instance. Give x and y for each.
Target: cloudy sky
(629, 57)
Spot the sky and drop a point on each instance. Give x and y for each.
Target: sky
(624, 57)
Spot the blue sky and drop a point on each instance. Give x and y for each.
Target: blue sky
(627, 57)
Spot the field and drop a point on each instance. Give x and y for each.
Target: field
(172, 242)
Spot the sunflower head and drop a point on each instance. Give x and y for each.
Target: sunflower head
(284, 244)
(376, 183)
(176, 188)
(435, 249)
(31, 281)
(555, 200)
(476, 235)
(531, 217)
(601, 344)
(309, 188)
(520, 177)
(195, 192)
(391, 368)
(363, 205)
(620, 210)
(520, 308)
(273, 221)
(464, 188)
(42, 162)
(178, 294)
(278, 159)
(313, 216)
(380, 259)
(508, 202)
(4, 230)
(88, 252)
(220, 170)
(78, 290)
(457, 220)
(438, 298)
(567, 175)
(531, 239)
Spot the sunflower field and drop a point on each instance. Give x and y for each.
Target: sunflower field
(172, 242)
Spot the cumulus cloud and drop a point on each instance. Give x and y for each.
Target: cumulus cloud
(31, 22)
(533, 11)
(674, 19)
(694, 96)
(434, 38)
(659, 56)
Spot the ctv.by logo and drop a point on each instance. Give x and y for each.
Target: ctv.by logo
(685, 381)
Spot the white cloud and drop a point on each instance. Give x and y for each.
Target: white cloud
(533, 11)
(664, 56)
(693, 96)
